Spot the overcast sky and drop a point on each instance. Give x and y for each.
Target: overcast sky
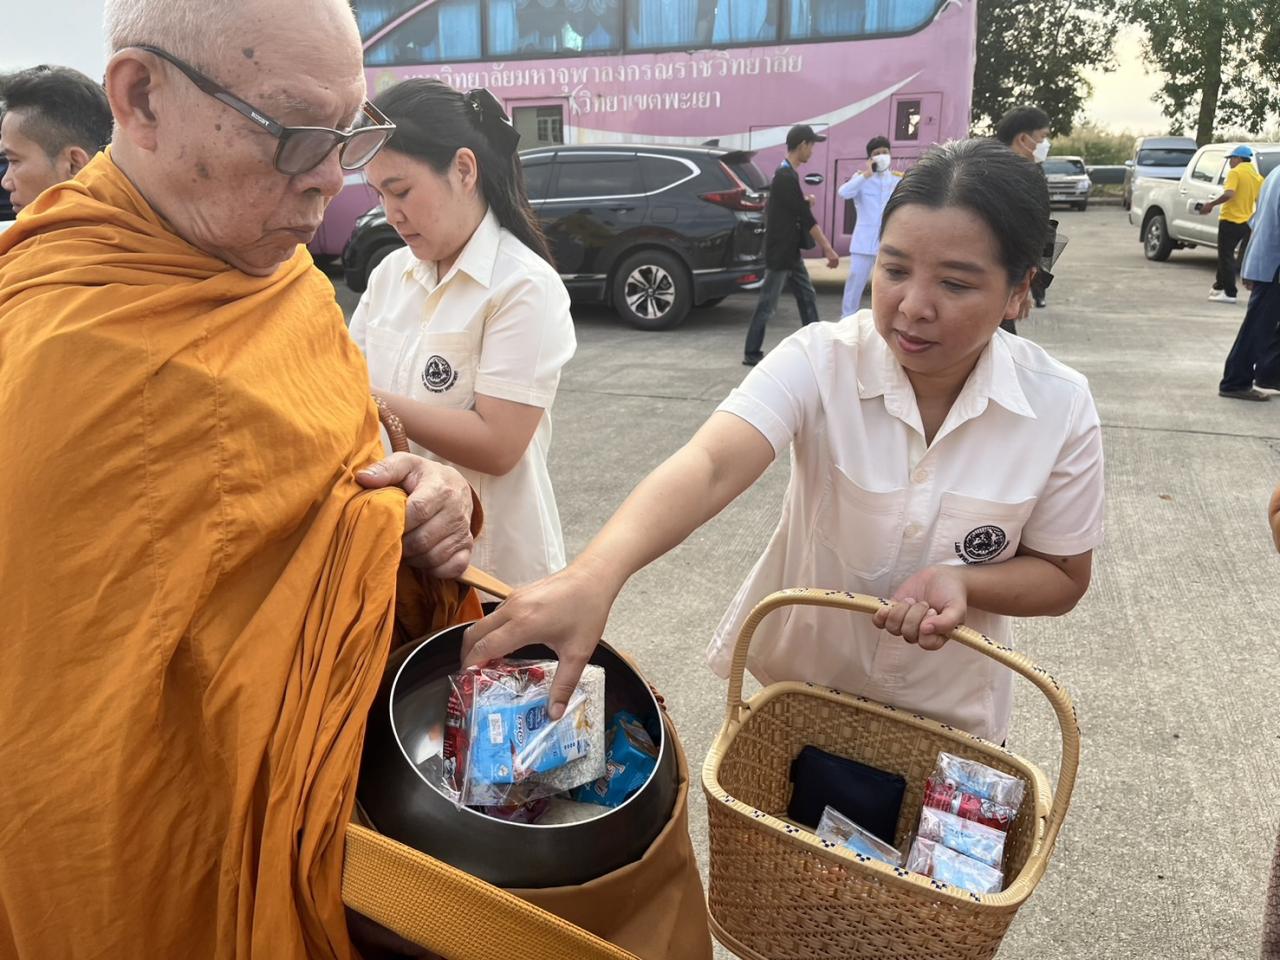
(69, 32)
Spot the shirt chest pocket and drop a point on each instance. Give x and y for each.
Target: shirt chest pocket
(971, 530)
(862, 527)
(383, 352)
(442, 372)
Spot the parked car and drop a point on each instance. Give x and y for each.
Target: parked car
(1068, 181)
(354, 200)
(1164, 210)
(6, 208)
(650, 230)
(1162, 157)
(1110, 174)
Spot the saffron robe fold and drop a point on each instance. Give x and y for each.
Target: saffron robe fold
(196, 596)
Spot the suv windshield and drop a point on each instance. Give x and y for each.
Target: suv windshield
(1063, 167)
(1165, 157)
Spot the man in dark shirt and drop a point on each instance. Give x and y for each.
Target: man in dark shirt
(789, 227)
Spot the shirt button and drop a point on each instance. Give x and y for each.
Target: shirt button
(920, 476)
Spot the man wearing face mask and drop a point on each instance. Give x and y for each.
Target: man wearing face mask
(869, 189)
(1025, 131)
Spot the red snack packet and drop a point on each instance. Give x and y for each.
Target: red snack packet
(941, 795)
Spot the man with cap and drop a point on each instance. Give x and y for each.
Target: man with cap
(789, 227)
(1238, 200)
(1255, 356)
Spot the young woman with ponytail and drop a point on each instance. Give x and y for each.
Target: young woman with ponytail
(466, 329)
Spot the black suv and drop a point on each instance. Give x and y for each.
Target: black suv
(649, 230)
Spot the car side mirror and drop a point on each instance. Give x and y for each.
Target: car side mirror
(814, 179)
(1128, 163)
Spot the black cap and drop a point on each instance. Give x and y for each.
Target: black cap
(802, 133)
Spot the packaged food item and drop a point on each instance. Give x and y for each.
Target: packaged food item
(501, 749)
(631, 759)
(975, 840)
(945, 796)
(934, 860)
(561, 810)
(529, 812)
(835, 827)
(979, 780)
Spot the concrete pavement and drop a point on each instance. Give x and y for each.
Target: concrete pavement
(1171, 658)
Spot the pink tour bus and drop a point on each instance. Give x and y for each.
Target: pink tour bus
(730, 73)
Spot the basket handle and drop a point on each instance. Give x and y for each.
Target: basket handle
(860, 603)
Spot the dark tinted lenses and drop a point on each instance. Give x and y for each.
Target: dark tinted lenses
(362, 147)
(303, 150)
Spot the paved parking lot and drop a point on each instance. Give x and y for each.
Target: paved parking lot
(1172, 657)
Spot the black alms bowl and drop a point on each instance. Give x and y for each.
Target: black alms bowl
(405, 804)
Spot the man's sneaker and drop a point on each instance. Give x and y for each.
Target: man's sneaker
(1221, 296)
(1250, 394)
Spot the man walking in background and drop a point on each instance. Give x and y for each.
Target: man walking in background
(55, 120)
(1238, 200)
(1025, 131)
(789, 227)
(869, 189)
(1255, 356)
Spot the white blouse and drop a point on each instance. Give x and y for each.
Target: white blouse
(497, 324)
(1018, 460)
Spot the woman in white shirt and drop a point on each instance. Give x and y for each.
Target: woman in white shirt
(935, 459)
(870, 190)
(466, 328)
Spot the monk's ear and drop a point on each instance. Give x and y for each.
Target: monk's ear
(131, 84)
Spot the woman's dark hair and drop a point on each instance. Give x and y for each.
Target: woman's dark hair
(988, 179)
(434, 121)
(875, 143)
(1027, 119)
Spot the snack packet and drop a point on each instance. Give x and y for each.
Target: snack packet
(632, 757)
(945, 796)
(979, 780)
(975, 840)
(934, 860)
(501, 749)
(835, 827)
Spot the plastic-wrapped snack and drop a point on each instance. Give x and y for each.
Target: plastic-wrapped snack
(934, 860)
(500, 747)
(963, 836)
(835, 827)
(945, 796)
(529, 812)
(979, 780)
(632, 757)
(561, 810)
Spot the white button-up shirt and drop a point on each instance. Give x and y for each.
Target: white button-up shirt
(1018, 460)
(869, 196)
(497, 324)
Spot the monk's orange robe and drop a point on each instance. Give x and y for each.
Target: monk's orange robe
(196, 597)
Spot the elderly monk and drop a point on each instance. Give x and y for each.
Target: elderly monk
(199, 572)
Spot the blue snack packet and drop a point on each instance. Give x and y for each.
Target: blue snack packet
(514, 741)
(631, 759)
(982, 843)
(836, 828)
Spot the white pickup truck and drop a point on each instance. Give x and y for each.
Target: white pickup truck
(1164, 210)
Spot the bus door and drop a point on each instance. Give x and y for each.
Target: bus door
(540, 122)
(771, 156)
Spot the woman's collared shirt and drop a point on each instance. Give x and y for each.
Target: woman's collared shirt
(497, 324)
(1017, 461)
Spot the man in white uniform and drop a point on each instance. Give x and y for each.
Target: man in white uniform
(869, 189)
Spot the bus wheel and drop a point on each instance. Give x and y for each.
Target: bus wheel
(652, 290)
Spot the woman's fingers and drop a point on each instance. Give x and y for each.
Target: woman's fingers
(911, 622)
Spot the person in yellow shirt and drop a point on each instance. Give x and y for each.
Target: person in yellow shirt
(1238, 200)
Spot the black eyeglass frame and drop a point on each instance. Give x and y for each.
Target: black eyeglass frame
(277, 129)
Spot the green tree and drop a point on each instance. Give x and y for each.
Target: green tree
(1219, 59)
(1095, 144)
(1036, 51)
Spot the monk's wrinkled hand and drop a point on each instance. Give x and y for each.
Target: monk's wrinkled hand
(437, 518)
(1273, 515)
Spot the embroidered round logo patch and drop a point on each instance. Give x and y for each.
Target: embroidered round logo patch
(982, 544)
(438, 375)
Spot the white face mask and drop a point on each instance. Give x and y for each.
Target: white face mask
(1042, 150)
(881, 162)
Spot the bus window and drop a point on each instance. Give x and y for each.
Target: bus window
(906, 120)
(557, 26)
(833, 19)
(445, 31)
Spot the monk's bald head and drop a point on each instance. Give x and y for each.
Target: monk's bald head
(207, 168)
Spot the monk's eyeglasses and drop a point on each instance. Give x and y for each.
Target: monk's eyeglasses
(301, 149)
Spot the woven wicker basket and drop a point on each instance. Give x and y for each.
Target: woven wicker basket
(777, 892)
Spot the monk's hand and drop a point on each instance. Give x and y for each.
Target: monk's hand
(1273, 515)
(929, 605)
(566, 612)
(437, 518)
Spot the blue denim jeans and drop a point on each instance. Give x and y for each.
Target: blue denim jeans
(771, 290)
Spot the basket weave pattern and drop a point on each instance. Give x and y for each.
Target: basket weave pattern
(776, 892)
